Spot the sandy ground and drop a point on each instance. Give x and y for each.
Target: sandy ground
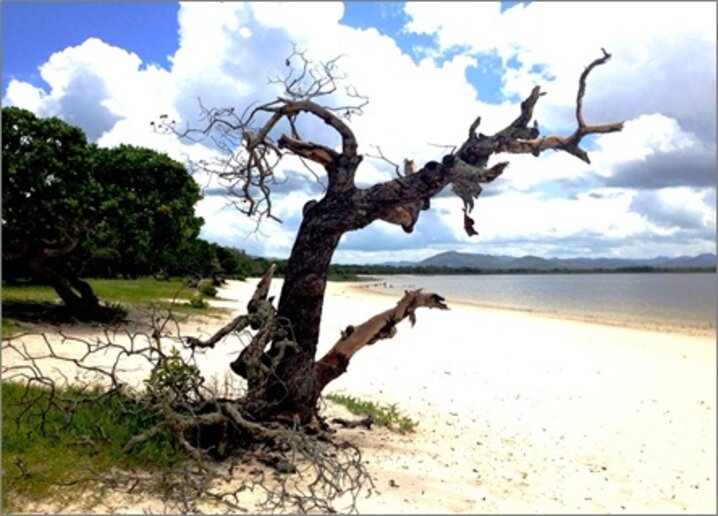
(518, 413)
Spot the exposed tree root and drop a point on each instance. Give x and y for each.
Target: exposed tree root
(310, 469)
(365, 422)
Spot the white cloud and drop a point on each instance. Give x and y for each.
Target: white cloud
(95, 85)
(677, 208)
(225, 225)
(641, 137)
(664, 54)
(25, 95)
(661, 80)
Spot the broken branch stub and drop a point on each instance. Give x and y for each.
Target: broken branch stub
(381, 326)
(254, 317)
(262, 290)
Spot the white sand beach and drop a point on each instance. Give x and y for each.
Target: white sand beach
(517, 412)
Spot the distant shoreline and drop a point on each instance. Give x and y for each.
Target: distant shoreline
(390, 270)
(451, 271)
(695, 331)
(629, 319)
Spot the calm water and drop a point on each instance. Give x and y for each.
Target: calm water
(673, 299)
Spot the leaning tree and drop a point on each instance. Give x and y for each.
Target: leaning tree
(48, 200)
(68, 206)
(285, 378)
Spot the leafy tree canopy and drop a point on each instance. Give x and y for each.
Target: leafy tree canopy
(146, 222)
(49, 195)
(71, 208)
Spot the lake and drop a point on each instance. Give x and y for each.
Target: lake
(658, 298)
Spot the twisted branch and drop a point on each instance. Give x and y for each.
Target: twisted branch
(250, 152)
(380, 326)
(400, 201)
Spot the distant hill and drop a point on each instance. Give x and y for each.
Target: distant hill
(702, 260)
(455, 259)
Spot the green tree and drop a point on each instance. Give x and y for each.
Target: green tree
(201, 260)
(146, 222)
(238, 264)
(49, 198)
(69, 206)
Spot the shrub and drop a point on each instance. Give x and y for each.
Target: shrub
(207, 289)
(198, 303)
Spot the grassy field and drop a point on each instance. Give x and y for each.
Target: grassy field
(36, 457)
(138, 294)
(134, 291)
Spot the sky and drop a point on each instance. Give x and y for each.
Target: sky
(429, 69)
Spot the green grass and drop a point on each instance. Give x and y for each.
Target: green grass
(11, 327)
(135, 293)
(131, 291)
(28, 292)
(387, 416)
(343, 277)
(35, 458)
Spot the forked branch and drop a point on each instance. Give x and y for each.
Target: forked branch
(400, 201)
(249, 148)
(519, 138)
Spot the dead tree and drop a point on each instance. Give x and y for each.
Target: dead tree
(284, 376)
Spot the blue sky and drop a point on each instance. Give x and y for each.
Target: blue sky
(429, 68)
(147, 28)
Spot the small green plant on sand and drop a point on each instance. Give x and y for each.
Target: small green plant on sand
(387, 416)
(209, 290)
(173, 377)
(199, 303)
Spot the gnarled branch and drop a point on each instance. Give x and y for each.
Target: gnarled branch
(400, 201)
(250, 150)
(381, 326)
(519, 138)
(311, 151)
(239, 323)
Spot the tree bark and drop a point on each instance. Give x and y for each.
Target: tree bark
(381, 326)
(293, 384)
(78, 296)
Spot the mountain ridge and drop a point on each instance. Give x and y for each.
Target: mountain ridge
(456, 259)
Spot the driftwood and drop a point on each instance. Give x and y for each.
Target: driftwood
(365, 422)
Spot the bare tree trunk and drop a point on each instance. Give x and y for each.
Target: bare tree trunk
(294, 384)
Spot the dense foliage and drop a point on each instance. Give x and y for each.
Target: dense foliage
(48, 194)
(70, 209)
(145, 221)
